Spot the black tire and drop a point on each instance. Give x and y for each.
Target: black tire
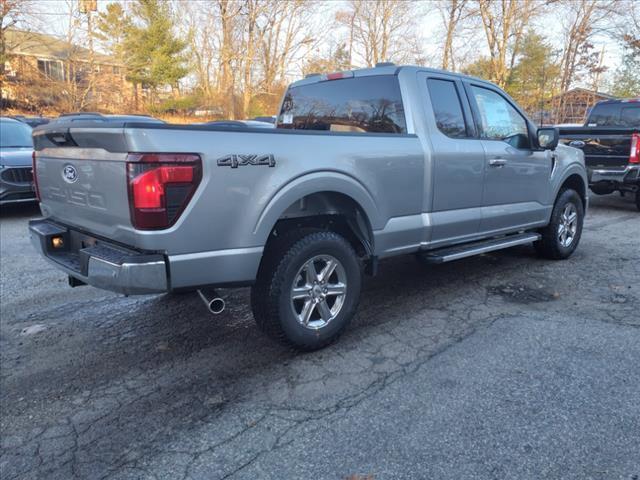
(601, 189)
(550, 245)
(275, 312)
(638, 198)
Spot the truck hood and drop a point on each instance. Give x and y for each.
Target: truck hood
(16, 157)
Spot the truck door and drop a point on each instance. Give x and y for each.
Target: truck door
(456, 170)
(516, 182)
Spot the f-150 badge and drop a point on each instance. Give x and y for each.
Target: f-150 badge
(235, 161)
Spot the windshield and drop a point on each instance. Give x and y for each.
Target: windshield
(15, 135)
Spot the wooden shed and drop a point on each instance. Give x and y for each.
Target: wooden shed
(573, 105)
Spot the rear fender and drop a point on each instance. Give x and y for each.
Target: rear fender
(309, 184)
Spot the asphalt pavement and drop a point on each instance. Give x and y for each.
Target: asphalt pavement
(501, 366)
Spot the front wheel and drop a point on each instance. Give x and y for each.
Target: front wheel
(561, 237)
(638, 197)
(307, 289)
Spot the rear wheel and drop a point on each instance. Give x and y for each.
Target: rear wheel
(307, 289)
(561, 237)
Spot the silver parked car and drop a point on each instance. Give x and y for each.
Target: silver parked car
(16, 150)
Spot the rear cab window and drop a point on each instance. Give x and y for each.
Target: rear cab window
(371, 104)
(615, 115)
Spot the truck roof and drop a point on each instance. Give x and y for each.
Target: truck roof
(619, 100)
(384, 69)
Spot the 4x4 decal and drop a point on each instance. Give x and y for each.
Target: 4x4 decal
(237, 160)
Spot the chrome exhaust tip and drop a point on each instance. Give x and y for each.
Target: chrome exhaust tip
(216, 306)
(214, 303)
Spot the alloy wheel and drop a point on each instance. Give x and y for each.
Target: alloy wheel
(318, 291)
(568, 225)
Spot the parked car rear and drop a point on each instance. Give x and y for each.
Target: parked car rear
(99, 117)
(33, 122)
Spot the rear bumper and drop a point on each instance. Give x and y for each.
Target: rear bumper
(98, 263)
(630, 174)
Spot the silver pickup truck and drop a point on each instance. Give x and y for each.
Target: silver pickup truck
(362, 165)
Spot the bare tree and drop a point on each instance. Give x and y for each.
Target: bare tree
(628, 25)
(201, 28)
(453, 12)
(347, 19)
(12, 14)
(583, 19)
(78, 79)
(244, 50)
(228, 15)
(251, 40)
(504, 23)
(380, 29)
(285, 34)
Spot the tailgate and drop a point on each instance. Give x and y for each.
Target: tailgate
(83, 184)
(603, 148)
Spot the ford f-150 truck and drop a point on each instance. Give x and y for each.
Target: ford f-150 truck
(363, 165)
(610, 140)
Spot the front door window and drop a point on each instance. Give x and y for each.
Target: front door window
(499, 120)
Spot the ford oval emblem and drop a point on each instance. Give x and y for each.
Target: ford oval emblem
(577, 144)
(69, 174)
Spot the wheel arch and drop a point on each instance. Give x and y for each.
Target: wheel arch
(322, 196)
(576, 182)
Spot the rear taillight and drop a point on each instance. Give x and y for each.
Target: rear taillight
(35, 177)
(634, 156)
(160, 187)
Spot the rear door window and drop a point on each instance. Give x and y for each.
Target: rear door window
(361, 105)
(447, 108)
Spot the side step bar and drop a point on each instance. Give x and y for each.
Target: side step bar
(449, 254)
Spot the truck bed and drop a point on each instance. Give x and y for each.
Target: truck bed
(98, 202)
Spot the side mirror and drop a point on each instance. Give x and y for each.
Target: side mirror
(548, 138)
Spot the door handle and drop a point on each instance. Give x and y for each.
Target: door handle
(497, 162)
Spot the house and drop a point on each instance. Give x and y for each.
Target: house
(573, 105)
(45, 72)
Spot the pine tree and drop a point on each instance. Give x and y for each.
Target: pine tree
(532, 79)
(111, 29)
(153, 54)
